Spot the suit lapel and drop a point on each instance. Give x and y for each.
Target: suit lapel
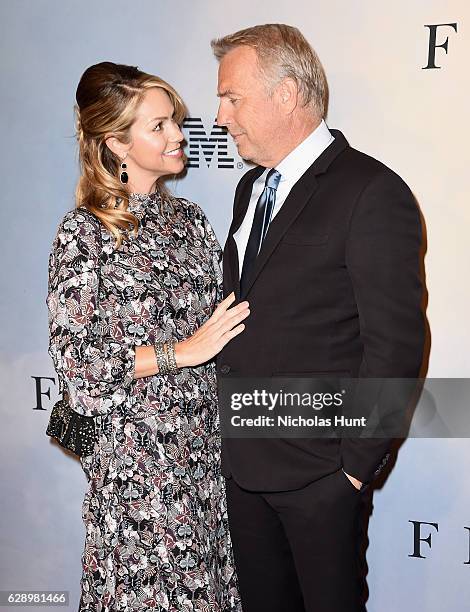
(242, 200)
(295, 202)
(231, 263)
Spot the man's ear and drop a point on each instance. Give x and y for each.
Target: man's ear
(288, 93)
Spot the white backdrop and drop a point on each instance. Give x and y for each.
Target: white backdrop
(413, 119)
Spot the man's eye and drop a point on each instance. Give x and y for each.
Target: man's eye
(233, 100)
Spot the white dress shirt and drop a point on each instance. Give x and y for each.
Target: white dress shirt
(292, 167)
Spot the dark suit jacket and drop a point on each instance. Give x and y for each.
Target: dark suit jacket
(335, 289)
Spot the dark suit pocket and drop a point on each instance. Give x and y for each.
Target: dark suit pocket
(302, 239)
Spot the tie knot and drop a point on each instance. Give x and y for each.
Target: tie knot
(273, 178)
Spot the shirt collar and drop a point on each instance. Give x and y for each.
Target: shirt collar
(302, 157)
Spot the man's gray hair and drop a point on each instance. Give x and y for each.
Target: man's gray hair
(282, 52)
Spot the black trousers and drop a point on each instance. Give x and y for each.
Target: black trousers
(299, 551)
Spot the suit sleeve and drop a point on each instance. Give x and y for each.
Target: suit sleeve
(383, 261)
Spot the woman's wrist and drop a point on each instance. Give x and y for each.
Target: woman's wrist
(166, 357)
(180, 355)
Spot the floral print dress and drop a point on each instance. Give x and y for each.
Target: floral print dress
(155, 511)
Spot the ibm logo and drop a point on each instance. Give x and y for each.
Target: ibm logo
(212, 148)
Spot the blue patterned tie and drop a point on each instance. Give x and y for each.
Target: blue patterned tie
(261, 220)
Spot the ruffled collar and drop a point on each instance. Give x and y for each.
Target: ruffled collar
(140, 201)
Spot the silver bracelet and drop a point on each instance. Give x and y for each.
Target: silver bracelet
(171, 357)
(161, 355)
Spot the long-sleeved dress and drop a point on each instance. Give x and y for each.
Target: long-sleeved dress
(155, 512)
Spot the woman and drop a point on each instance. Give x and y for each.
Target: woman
(134, 279)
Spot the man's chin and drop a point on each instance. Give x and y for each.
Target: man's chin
(245, 153)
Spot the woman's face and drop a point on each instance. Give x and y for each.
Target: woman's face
(155, 148)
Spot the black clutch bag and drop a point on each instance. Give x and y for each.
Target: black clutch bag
(73, 431)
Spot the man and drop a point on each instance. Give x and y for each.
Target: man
(324, 245)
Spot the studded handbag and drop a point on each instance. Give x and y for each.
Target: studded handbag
(72, 430)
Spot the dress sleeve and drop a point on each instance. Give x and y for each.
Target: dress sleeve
(214, 246)
(93, 357)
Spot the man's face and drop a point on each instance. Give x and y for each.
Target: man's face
(250, 113)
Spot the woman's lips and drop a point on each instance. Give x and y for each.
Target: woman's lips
(174, 153)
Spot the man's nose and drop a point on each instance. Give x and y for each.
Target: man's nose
(222, 116)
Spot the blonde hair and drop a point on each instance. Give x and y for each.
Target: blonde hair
(282, 52)
(107, 98)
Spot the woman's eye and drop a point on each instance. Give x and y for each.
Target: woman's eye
(158, 127)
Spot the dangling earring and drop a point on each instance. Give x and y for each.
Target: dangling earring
(123, 176)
